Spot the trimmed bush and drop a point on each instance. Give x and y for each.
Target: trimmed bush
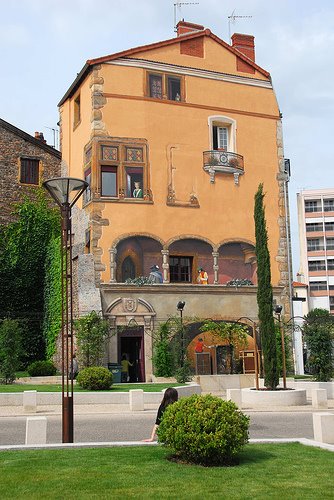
(95, 378)
(204, 430)
(41, 369)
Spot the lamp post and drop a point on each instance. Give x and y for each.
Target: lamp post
(180, 307)
(66, 191)
(278, 310)
(256, 365)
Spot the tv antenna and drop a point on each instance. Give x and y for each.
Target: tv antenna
(177, 7)
(232, 19)
(55, 136)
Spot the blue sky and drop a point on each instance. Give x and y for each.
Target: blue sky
(45, 43)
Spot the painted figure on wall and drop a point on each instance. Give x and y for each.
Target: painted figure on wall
(156, 275)
(202, 277)
(137, 192)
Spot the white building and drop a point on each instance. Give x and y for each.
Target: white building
(316, 234)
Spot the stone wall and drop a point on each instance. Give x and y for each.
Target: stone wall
(15, 144)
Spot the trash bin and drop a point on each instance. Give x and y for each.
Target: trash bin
(116, 371)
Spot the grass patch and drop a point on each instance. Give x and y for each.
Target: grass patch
(265, 471)
(57, 387)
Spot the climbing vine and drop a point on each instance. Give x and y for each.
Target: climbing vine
(22, 270)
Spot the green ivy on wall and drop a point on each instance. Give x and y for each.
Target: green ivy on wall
(52, 296)
(23, 249)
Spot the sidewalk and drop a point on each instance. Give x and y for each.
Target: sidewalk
(89, 409)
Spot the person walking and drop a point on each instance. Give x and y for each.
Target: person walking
(125, 368)
(170, 397)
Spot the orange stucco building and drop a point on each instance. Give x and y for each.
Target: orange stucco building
(174, 138)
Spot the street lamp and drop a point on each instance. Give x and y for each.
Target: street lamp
(277, 311)
(180, 307)
(256, 365)
(66, 191)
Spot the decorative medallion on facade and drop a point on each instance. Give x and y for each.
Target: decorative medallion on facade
(129, 305)
(134, 154)
(109, 153)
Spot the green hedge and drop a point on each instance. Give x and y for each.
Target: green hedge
(204, 430)
(95, 378)
(41, 369)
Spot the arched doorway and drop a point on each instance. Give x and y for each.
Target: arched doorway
(128, 269)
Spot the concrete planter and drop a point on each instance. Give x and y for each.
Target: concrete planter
(309, 386)
(259, 399)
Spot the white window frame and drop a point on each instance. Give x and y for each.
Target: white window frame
(223, 122)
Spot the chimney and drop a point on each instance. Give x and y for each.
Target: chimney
(40, 137)
(245, 45)
(183, 28)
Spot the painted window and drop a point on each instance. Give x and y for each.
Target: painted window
(180, 269)
(222, 130)
(88, 178)
(109, 181)
(76, 111)
(220, 137)
(29, 171)
(161, 86)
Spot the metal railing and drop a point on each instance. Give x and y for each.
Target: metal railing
(224, 160)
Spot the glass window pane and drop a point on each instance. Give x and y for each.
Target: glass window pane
(174, 89)
(155, 82)
(134, 182)
(108, 182)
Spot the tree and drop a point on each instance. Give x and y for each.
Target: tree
(91, 333)
(163, 356)
(10, 349)
(318, 334)
(265, 294)
(22, 270)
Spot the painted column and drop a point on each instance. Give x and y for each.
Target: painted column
(113, 265)
(215, 256)
(165, 265)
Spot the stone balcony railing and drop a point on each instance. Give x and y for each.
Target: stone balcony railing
(219, 161)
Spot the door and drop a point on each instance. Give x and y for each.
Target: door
(131, 343)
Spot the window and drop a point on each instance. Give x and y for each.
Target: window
(180, 269)
(313, 245)
(316, 286)
(29, 171)
(220, 137)
(76, 111)
(331, 303)
(312, 206)
(311, 227)
(328, 205)
(87, 241)
(316, 265)
(88, 178)
(330, 243)
(330, 264)
(124, 172)
(329, 226)
(109, 181)
(162, 86)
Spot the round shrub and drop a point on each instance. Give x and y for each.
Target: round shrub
(95, 378)
(204, 430)
(41, 369)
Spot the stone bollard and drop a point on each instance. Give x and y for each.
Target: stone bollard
(30, 401)
(36, 430)
(319, 398)
(136, 399)
(235, 396)
(323, 427)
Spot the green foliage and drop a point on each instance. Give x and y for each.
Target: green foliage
(91, 333)
(239, 282)
(183, 373)
(41, 369)
(52, 296)
(265, 294)
(95, 378)
(162, 354)
(318, 334)
(140, 281)
(22, 257)
(234, 333)
(10, 349)
(204, 430)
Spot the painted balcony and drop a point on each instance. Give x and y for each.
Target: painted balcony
(225, 162)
